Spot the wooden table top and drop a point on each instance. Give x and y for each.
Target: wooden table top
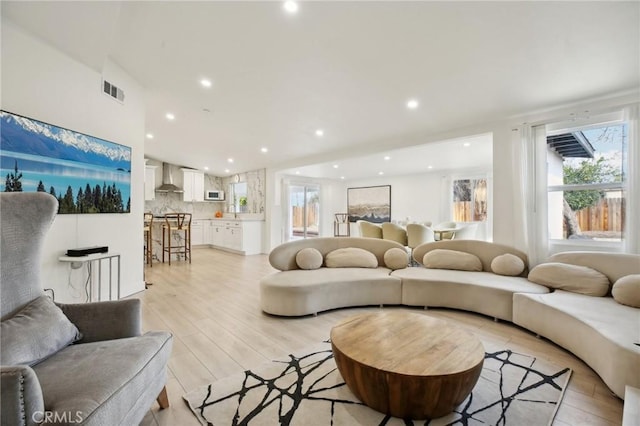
(407, 343)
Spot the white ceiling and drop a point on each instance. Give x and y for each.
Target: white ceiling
(345, 67)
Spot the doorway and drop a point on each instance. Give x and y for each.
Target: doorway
(304, 211)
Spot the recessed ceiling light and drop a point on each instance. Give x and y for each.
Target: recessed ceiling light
(229, 160)
(412, 104)
(290, 7)
(206, 83)
(170, 116)
(226, 170)
(319, 133)
(206, 168)
(342, 177)
(264, 150)
(149, 135)
(297, 172)
(335, 166)
(429, 167)
(387, 158)
(466, 144)
(380, 173)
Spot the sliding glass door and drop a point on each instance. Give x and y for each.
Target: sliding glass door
(304, 211)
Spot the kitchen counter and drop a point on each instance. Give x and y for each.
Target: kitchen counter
(241, 236)
(235, 219)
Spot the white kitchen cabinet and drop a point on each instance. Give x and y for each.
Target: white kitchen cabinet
(193, 185)
(232, 238)
(197, 233)
(209, 226)
(217, 233)
(244, 237)
(149, 183)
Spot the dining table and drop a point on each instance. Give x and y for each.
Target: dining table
(437, 233)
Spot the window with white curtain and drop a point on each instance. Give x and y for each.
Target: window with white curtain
(579, 184)
(587, 166)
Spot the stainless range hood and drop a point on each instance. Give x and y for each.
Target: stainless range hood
(167, 180)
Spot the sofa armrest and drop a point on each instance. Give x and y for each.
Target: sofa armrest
(99, 321)
(21, 401)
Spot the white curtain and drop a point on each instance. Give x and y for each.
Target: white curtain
(530, 191)
(632, 231)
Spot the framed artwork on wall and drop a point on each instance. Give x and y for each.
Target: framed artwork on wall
(86, 174)
(370, 203)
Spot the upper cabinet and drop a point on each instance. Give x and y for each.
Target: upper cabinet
(149, 182)
(193, 185)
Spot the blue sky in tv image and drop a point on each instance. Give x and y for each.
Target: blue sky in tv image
(60, 158)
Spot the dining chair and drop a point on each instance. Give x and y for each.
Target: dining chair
(466, 232)
(417, 234)
(394, 232)
(369, 230)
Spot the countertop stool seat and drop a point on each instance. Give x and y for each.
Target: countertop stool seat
(148, 239)
(180, 224)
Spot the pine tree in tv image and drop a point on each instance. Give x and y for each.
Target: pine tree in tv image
(86, 174)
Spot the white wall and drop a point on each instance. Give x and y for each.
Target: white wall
(417, 197)
(42, 83)
(508, 220)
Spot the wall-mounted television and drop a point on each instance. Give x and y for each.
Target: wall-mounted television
(86, 174)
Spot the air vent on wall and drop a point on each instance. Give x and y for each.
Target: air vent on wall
(113, 91)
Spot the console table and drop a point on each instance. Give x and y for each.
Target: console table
(90, 262)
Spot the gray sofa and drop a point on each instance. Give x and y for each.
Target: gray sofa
(598, 330)
(88, 363)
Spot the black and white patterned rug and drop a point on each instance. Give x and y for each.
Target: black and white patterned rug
(306, 389)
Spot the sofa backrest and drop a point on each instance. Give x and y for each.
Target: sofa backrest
(283, 257)
(613, 265)
(25, 218)
(486, 251)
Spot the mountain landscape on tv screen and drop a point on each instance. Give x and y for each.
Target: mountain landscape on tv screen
(86, 174)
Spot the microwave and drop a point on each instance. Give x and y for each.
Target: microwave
(214, 195)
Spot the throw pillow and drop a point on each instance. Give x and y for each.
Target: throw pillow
(309, 258)
(351, 257)
(573, 278)
(35, 333)
(627, 290)
(396, 258)
(507, 264)
(452, 259)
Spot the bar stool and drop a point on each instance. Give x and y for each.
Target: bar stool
(148, 240)
(176, 222)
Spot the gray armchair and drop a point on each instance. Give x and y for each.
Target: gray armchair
(84, 363)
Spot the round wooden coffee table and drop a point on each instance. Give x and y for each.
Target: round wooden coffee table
(407, 364)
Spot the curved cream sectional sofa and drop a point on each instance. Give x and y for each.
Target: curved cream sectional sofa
(483, 292)
(600, 331)
(295, 292)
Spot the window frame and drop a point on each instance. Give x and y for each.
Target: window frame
(612, 118)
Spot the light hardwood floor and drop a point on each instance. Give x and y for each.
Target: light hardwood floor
(212, 308)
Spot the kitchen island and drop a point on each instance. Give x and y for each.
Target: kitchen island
(237, 235)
